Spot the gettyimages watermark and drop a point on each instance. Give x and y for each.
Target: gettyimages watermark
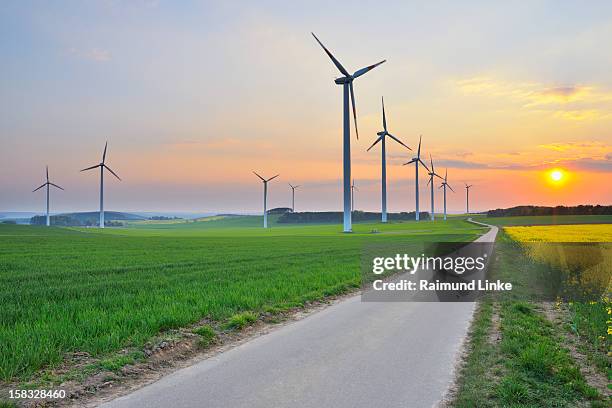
(467, 271)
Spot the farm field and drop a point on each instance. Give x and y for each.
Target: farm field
(519, 349)
(98, 291)
(545, 220)
(562, 233)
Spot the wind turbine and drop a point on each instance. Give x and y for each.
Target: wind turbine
(265, 183)
(467, 197)
(102, 166)
(48, 183)
(432, 173)
(444, 185)
(353, 188)
(416, 160)
(381, 138)
(347, 84)
(293, 196)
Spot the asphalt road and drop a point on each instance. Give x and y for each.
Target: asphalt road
(352, 354)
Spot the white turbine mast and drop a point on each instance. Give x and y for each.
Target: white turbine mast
(47, 184)
(265, 200)
(293, 196)
(417, 160)
(443, 185)
(346, 80)
(432, 173)
(102, 166)
(383, 179)
(467, 198)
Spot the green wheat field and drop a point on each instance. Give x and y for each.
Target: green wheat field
(67, 290)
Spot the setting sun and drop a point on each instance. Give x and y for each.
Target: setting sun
(556, 176)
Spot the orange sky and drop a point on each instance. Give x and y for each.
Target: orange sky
(192, 97)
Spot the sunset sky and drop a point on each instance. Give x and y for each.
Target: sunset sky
(193, 96)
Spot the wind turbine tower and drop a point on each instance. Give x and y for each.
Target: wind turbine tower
(444, 185)
(47, 184)
(102, 166)
(346, 80)
(432, 173)
(265, 200)
(467, 198)
(417, 160)
(293, 196)
(353, 188)
(381, 138)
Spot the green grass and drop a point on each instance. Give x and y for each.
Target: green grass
(536, 362)
(241, 320)
(476, 384)
(546, 220)
(207, 335)
(99, 291)
(591, 321)
(529, 366)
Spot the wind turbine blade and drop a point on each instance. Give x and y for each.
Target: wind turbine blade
(441, 185)
(104, 154)
(362, 71)
(411, 161)
(424, 165)
(429, 180)
(445, 175)
(419, 149)
(384, 116)
(431, 161)
(398, 141)
(375, 142)
(92, 167)
(55, 185)
(262, 179)
(272, 178)
(47, 174)
(291, 185)
(297, 186)
(114, 174)
(354, 110)
(438, 176)
(39, 187)
(334, 60)
(450, 187)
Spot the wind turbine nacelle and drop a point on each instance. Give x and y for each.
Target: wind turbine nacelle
(381, 133)
(343, 80)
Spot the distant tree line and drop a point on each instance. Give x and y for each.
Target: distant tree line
(163, 218)
(526, 210)
(336, 217)
(68, 221)
(62, 220)
(279, 210)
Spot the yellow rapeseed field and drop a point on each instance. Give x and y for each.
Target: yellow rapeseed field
(591, 264)
(562, 233)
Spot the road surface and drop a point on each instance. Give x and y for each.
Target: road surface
(352, 354)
